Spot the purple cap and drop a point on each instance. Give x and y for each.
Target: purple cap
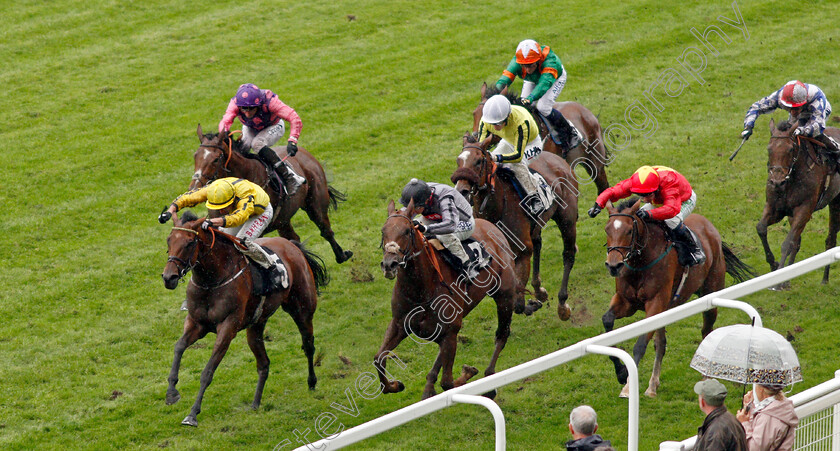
(249, 95)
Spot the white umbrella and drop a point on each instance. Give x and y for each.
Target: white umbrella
(748, 355)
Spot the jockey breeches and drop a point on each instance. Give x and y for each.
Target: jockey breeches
(452, 241)
(254, 226)
(266, 137)
(546, 102)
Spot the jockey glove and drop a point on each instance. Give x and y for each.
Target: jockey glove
(594, 210)
(419, 226)
(291, 148)
(164, 217)
(643, 214)
(206, 224)
(798, 132)
(526, 101)
(498, 158)
(746, 133)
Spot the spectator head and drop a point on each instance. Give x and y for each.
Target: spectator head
(583, 421)
(711, 391)
(773, 390)
(605, 448)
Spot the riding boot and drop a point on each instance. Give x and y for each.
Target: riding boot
(832, 148)
(292, 180)
(456, 247)
(689, 250)
(569, 134)
(531, 200)
(267, 156)
(534, 204)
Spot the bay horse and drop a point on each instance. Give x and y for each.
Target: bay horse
(591, 152)
(219, 299)
(799, 182)
(495, 199)
(648, 276)
(430, 300)
(219, 155)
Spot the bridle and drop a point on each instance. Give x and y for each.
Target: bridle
(185, 266)
(632, 250)
(226, 154)
(797, 144)
(406, 255)
(488, 169)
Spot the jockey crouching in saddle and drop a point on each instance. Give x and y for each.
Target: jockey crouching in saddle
(543, 78)
(445, 215)
(520, 143)
(808, 108)
(262, 114)
(246, 210)
(669, 198)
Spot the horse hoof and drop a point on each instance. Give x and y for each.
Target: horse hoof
(490, 395)
(650, 393)
(519, 308)
(541, 295)
(428, 394)
(564, 312)
(190, 421)
(172, 398)
(394, 387)
(344, 257)
(468, 371)
(532, 307)
(622, 375)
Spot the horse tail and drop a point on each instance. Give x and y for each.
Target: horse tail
(336, 196)
(735, 267)
(316, 264)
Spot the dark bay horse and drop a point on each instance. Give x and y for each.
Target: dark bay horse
(495, 199)
(430, 298)
(648, 276)
(218, 155)
(219, 299)
(800, 181)
(591, 152)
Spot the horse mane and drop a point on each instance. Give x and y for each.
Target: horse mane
(511, 95)
(188, 216)
(628, 203)
(236, 144)
(783, 126)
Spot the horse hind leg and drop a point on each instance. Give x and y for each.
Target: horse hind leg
(568, 229)
(431, 378)
(659, 346)
(192, 333)
(504, 312)
(303, 320)
(257, 345)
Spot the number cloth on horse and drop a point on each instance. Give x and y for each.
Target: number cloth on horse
(543, 79)
(252, 213)
(445, 215)
(520, 143)
(669, 198)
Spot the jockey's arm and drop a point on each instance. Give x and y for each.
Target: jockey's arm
(671, 205)
(449, 218)
(244, 210)
(190, 198)
(287, 114)
(229, 116)
(762, 106)
(547, 78)
(615, 193)
(816, 124)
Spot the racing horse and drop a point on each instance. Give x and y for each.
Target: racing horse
(649, 277)
(591, 152)
(495, 199)
(800, 181)
(219, 155)
(220, 299)
(430, 300)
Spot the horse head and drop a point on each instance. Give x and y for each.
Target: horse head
(486, 93)
(183, 247)
(475, 167)
(623, 236)
(400, 241)
(781, 155)
(211, 158)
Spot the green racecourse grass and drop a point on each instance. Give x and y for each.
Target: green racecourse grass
(100, 104)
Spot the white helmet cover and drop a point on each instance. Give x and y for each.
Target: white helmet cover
(496, 109)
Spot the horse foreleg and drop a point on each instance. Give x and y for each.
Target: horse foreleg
(659, 347)
(318, 214)
(768, 218)
(285, 230)
(257, 345)
(393, 336)
(448, 348)
(224, 334)
(833, 228)
(709, 318)
(522, 268)
(431, 378)
(568, 230)
(504, 314)
(536, 281)
(303, 319)
(793, 240)
(608, 320)
(192, 333)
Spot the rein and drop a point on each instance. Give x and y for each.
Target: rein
(633, 250)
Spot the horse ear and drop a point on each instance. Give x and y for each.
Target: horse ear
(409, 209)
(504, 91)
(199, 132)
(636, 206)
(772, 125)
(484, 90)
(610, 208)
(391, 209)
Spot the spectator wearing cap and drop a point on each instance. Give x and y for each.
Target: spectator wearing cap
(720, 431)
(768, 418)
(583, 422)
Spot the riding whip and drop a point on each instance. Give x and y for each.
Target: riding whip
(736, 150)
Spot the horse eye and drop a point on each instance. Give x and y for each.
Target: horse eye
(477, 163)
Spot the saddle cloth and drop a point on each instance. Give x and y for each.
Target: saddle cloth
(478, 255)
(543, 189)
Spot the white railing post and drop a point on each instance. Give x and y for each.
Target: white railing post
(633, 385)
(498, 416)
(747, 308)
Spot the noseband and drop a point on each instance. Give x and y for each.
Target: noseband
(185, 266)
(635, 248)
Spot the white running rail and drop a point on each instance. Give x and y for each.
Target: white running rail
(722, 298)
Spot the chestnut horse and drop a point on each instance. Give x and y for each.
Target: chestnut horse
(430, 299)
(495, 199)
(591, 152)
(800, 181)
(219, 299)
(214, 159)
(648, 276)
